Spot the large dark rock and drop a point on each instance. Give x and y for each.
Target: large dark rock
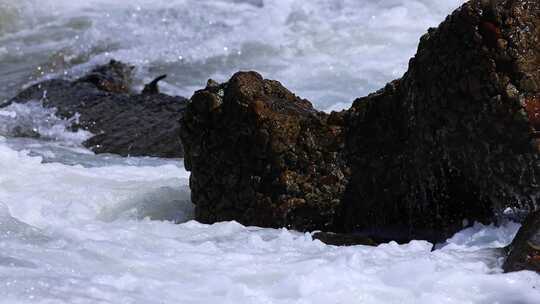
(450, 143)
(263, 156)
(454, 138)
(123, 122)
(524, 252)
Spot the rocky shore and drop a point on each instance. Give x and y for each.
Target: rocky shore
(452, 142)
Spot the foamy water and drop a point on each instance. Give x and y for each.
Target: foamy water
(76, 227)
(74, 234)
(327, 51)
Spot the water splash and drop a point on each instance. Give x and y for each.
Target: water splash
(31, 119)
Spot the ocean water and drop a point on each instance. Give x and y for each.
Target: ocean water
(76, 227)
(327, 51)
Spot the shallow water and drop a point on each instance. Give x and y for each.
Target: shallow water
(76, 227)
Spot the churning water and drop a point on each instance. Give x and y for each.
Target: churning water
(327, 51)
(82, 228)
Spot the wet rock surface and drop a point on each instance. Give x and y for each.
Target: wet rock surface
(263, 156)
(454, 138)
(452, 142)
(524, 252)
(123, 122)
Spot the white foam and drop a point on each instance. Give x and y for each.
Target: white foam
(84, 235)
(44, 194)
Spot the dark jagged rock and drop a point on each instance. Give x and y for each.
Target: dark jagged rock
(123, 123)
(453, 139)
(524, 252)
(452, 142)
(262, 156)
(152, 87)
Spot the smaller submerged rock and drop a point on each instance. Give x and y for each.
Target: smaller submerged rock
(122, 122)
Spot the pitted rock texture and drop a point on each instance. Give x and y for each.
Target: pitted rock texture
(452, 142)
(123, 122)
(452, 139)
(263, 156)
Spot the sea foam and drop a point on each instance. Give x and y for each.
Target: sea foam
(104, 234)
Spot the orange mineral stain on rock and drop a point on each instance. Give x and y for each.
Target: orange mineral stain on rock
(259, 108)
